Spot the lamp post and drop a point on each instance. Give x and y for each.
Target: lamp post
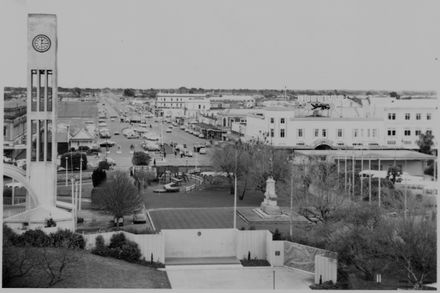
(80, 181)
(291, 202)
(67, 172)
(73, 203)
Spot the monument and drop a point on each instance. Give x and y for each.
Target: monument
(269, 205)
(41, 145)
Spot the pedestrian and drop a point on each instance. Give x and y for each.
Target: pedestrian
(154, 162)
(175, 153)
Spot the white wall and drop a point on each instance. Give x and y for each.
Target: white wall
(253, 241)
(210, 243)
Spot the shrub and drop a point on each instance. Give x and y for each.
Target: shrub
(9, 235)
(117, 240)
(104, 165)
(100, 248)
(276, 235)
(141, 159)
(99, 176)
(36, 238)
(73, 160)
(68, 239)
(130, 251)
(324, 286)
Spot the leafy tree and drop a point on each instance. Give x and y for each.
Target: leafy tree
(118, 196)
(98, 177)
(128, 93)
(141, 159)
(77, 91)
(425, 142)
(74, 160)
(143, 179)
(104, 165)
(394, 95)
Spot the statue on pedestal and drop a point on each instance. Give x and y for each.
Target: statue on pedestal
(269, 205)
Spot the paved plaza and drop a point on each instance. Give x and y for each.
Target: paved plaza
(206, 277)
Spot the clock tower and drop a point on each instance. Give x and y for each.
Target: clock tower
(42, 107)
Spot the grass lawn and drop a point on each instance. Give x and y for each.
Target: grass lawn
(212, 197)
(92, 271)
(206, 218)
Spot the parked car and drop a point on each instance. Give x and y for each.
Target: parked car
(188, 153)
(169, 130)
(202, 151)
(107, 143)
(116, 133)
(201, 135)
(140, 216)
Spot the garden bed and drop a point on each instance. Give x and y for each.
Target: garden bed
(255, 263)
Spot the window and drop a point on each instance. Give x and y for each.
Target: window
(407, 116)
(428, 116)
(374, 132)
(316, 132)
(391, 132)
(272, 120)
(282, 120)
(282, 132)
(340, 132)
(324, 132)
(355, 132)
(200, 106)
(407, 132)
(418, 132)
(272, 133)
(300, 132)
(391, 116)
(418, 116)
(368, 132)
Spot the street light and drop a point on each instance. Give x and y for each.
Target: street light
(67, 165)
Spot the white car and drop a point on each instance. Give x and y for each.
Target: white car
(202, 151)
(201, 135)
(152, 137)
(182, 127)
(188, 154)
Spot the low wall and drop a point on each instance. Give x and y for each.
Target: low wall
(302, 256)
(251, 241)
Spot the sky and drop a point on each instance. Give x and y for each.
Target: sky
(331, 44)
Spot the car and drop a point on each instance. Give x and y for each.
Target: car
(116, 133)
(202, 151)
(188, 153)
(169, 130)
(201, 135)
(132, 135)
(140, 216)
(152, 137)
(83, 148)
(107, 143)
(182, 127)
(179, 147)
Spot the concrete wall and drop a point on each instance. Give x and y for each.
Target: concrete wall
(200, 243)
(302, 256)
(326, 269)
(251, 241)
(276, 253)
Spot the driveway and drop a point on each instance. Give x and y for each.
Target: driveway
(238, 278)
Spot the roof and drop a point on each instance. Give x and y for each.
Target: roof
(81, 135)
(77, 110)
(369, 154)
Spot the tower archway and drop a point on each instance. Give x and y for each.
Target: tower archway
(20, 176)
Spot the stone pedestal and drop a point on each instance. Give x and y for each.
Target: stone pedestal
(269, 205)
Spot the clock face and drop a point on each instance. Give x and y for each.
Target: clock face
(41, 43)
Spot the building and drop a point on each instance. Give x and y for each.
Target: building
(405, 120)
(231, 101)
(181, 105)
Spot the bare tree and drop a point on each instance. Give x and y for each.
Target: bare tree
(413, 247)
(323, 198)
(54, 262)
(118, 196)
(18, 262)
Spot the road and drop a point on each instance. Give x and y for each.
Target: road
(121, 151)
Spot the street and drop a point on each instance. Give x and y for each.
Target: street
(121, 152)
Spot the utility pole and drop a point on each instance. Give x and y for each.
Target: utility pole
(379, 183)
(362, 169)
(352, 171)
(369, 181)
(345, 174)
(67, 172)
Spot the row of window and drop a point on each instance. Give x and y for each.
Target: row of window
(324, 132)
(407, 116)
(41, 90)
(179, 105)
(406, 132)
(282, 120)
